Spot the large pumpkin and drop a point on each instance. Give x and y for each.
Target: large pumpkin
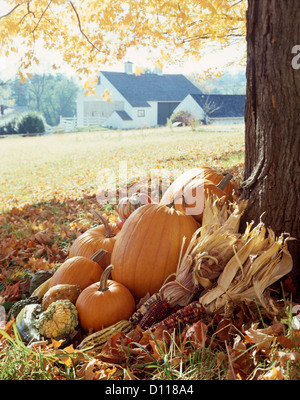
(79, 271)
(205, 173)
(192, 200)
(94, 239)
(104, 303)
(148, 247)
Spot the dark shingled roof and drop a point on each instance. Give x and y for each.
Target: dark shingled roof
(123, 114)
(228, 105)
(139, 89)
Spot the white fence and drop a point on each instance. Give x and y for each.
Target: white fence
(68, 124)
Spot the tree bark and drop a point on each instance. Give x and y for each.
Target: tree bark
(272, 116)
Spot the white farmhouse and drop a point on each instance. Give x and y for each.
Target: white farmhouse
(126, 100)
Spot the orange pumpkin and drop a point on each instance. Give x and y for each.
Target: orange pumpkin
(175, 190)
(79, 271)
(104, 303)
(100, 237)
(192, 200)
(148, 247)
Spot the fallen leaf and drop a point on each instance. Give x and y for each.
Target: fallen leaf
(196, 333)
(42, 237)
(260, 338)
(273, 374)
(223, 329)
(12, 292)
(115, 349)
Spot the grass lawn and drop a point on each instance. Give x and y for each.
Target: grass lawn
(70, 165)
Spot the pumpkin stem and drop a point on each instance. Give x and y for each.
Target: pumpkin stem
(98, 255)
(108, 232)
(104, 278)
(222, 185)
(170, 205)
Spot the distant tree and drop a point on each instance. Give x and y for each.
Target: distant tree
(51, 95)
(60, 99)
(228, 83)
(19, 92)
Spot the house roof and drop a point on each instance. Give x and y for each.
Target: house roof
(139, 89)
(227, 105)
(123, 114)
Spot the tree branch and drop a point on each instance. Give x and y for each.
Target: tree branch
(10, 12)
(43, 13)
(28, 12)
(238, 2)
(81, 31)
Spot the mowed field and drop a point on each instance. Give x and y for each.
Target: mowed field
(49, 183)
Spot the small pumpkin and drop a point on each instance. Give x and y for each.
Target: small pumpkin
(59, 320)
(79, 271)
(20, 304)
(147, 249)
(61, 292)
(104, 303)
(127, 205)
(99, 237)
(27, 322)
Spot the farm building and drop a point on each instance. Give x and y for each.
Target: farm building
(214, 108)
(126, 100)
(133, 101)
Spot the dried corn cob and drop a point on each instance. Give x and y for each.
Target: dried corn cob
(141, 311)
(155, 314)
(185, 316)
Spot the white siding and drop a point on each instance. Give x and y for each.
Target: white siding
(89, 106)
(79, 108)
(116, 122)
(190, 105)
(153, 113)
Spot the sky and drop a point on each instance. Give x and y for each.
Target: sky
(210, 59)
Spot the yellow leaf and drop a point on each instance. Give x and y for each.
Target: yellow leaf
(56, 343)
(22, 77)
(139, 71)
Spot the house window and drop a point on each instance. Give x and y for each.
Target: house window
(99, 81)
(141, 113)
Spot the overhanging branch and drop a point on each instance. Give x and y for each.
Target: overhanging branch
(10, 12)
(80, 28)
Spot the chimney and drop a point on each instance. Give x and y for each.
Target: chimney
(128, 67)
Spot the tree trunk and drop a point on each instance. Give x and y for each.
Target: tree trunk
(272, 117)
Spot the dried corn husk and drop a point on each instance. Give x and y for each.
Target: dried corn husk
(257, 264)
(211, 246)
